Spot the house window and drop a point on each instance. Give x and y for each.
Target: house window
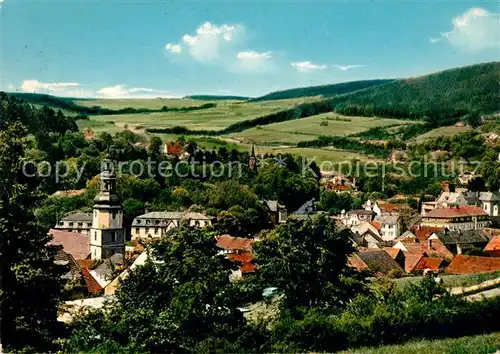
(113, 236)
(114, 215)
(147, 230)
(71, 224)
(156, 231)
(80, 224)
(136, 230)
(95, 235)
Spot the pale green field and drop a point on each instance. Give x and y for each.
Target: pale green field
(481, 344)
(451, 281)
(150, 103)
(444, 131)
(309, 128)
(206, 119)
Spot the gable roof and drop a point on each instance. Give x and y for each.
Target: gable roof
(86, 217)
(273, 205)
(473, 264)
(378, 261)
(228, 242)
(393, 252)
(459, 211)
(376, 224)
(305, 208)
(361, 212)
(389, 219)
(462, 236)
(493, 245)
(411, 260)
(424, 232)
(489, 196)
(429, 263)
(76, 244)
(92, 285)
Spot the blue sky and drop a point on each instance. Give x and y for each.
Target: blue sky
(173, 48)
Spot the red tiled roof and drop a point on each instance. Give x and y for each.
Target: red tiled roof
(393, 252)
(175, 148)
(411, 260)
(460, 211)
(234, 243)
(391, 208)
(85, 263)
(76, 244)
(473, 264)
(437, 248)
(376, 224)
(91, 284)
(429, 263)
(424, 232)
(493, 245)
(245, 259)
(340, 187)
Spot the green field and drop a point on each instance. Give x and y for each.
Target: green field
(216, 118)
(149, 103)
(481, 344)
(309, 128)
(443, 131)
(452, 281)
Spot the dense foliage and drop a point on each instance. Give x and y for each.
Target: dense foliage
(29, 280)
(323, 90)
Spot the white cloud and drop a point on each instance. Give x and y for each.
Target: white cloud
(210, 42)
(476, 29)
(74, 89)
(122, 91)
(307, 66)
(68, 89)
(348, 67)
(434, 40)
(173, 48)
(253, 55)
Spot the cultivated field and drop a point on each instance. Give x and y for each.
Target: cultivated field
(226, 113)
(443, 131)
(149, 103)
(310, 128)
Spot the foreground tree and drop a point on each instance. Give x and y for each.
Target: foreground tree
(307, 261)
(29, 280)
(180, 301)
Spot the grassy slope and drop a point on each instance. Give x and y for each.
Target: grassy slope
(443, 131)
(480, 344)
(309, 128)
(150, 103)
(453, 280)
(211, 119)
(323, 90)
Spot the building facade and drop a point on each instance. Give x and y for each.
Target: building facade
(77, 222)
(157, 224)
(464, 217)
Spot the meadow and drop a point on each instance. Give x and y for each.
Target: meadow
(310, 128)
(226, 113)
(443, 131)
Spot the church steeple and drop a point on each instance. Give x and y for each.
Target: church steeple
(252, 162)
(107, 235)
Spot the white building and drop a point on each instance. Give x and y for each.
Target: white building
(77, 222)
(156, 224)
(390, 227)
(490, 202)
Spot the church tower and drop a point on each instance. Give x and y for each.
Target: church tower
(252, 162)
(107, 235)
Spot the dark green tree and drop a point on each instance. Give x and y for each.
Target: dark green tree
(29, 279)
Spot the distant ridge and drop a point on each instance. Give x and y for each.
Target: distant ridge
(217, 98)
(323, 90)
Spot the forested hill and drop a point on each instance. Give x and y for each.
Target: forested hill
(37, 121)
(217, 98)
(446, 94)
(324, 90)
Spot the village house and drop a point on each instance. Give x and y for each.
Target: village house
(88, 134)
(459, 241)
(490, 202)
(68, 193)
(464, 217)
(238, 250)
(355, 217)
(158, 223)
(277, 212)
(76, 222)
(390, 227)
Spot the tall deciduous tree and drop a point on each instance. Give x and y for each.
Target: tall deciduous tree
(307, 261)
(29, 279)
